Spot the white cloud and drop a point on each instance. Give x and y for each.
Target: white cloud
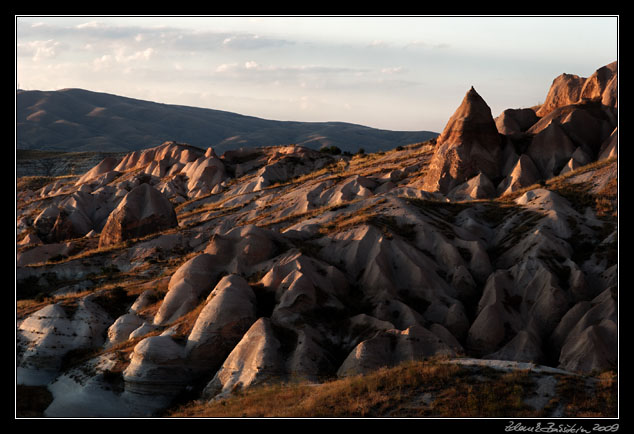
(251, 65)
(392, 70)
(425, 44)
(377, 44)
(121, 57)
(39, 50)
(142, 55)
(103, 62)
(89, 25)
(225, 67)
(249, 41)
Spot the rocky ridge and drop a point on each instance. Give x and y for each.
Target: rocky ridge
(497, 241)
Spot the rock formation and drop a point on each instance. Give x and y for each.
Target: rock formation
(285, 264)
(515, 121)
(229, 312)
(142, 211)
(469, 144)
(565, 90)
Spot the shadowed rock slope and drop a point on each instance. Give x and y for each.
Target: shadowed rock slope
(285, 263)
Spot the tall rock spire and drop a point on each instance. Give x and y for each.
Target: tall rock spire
(470, 144)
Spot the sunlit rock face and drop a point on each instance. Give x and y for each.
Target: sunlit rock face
(142, 211)
(470, 144)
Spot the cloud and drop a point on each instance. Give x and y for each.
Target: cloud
(247, 41)
(392, 70)
(89, 25)
(426, 44)
(251, 65)
(377, 44)
(122, 57)
(225, 67)
(170, 37)
(39, 50)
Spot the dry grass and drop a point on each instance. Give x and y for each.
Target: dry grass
(395, 392)
(34, 182)
(415, 389)
(583, 401)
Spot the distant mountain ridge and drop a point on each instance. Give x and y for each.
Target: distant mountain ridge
(82, 120)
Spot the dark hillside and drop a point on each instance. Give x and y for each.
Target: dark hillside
(81, 120)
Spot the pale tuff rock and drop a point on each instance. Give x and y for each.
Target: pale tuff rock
(239, 249)
(565, 90)
(30, 239)
(588, 125)
(397, 313)
(144, 299)
(578, 158)
(610, 146)
(470, 143)
(514, 121)
(254, 360)
(45, 336)
(324, 193)
(202, 171)
(56, 188)
(43, 253)
(592, 342)
(107, 165)
(228, 313)
(478, 187)
(194, 279)
(170, 152)
(301, 284)
(269, 352)
(524, 347)
(142, 211)
(157, 367)
(526, 296)
(524, 174)
(309, 358)
(602, 85)
(143, 330)
(45, 220)
(362, 327)
(274, 165)
(550, 149)
(392, 347)
(120, 330)
(204, 174)
(570, 89)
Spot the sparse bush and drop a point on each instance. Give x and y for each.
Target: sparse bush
(332, 150)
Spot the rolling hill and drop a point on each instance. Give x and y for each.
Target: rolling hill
(81, 120)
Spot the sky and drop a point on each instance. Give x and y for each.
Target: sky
(397, 73)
